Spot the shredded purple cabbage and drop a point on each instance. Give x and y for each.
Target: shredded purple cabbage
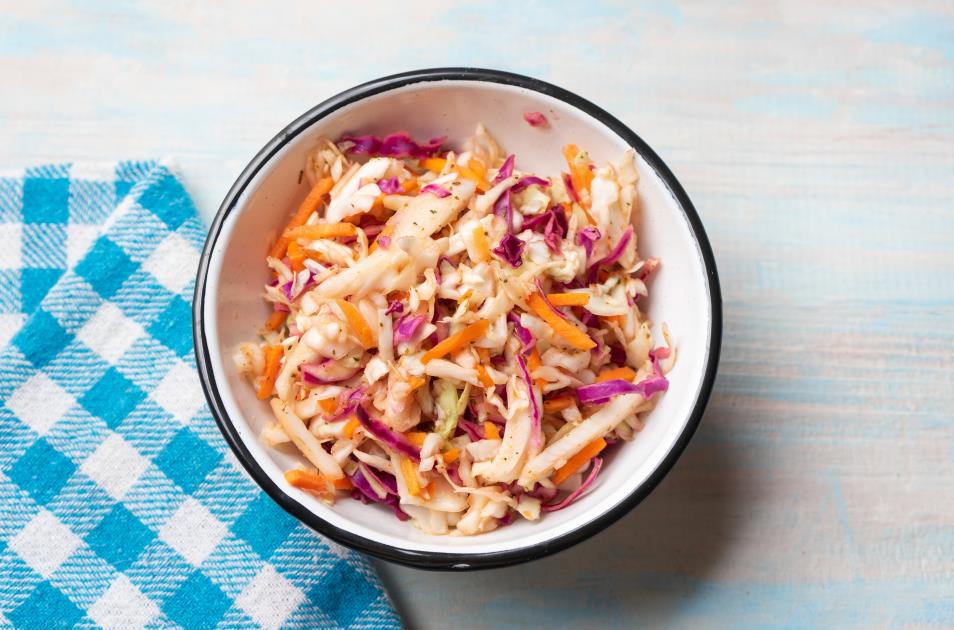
(474, 432)
(529, 180)
(390, 186)
(570, 189)
(437, 191)
(599, 393)
(522, 333)
(347, 404)
(503, 208)
(384, 241)
(612, 257)
(535, 438)
(283, 308)
(398, 145)
(587, 237)
(384, 433)
(510, 249)
(573, 496)
(407, 328)
(535, 119)
(394, 306)
(326, 372)
(556, 229)
(506, 169)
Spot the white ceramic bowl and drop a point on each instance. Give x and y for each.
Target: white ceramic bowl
(228, 307)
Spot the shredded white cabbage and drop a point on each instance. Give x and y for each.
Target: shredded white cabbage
(406, 304)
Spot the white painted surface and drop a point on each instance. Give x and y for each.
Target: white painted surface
(817, 141)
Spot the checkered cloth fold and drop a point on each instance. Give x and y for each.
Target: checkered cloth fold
(120, 504)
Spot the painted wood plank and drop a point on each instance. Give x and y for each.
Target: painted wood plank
(817, 141)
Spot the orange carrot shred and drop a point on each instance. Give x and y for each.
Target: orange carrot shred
(573, 335)
(349, 428)
(409, 472)
(321, 188)
(576, 462)
(387, 231)
(328, 405)
(534, 362)
(273, 358)
(416, 437)
(456, 341)
(482, 184)
(481, 244)
(434, 164)
(568, 299)
(322, 230)
(416, 381)
(622, 373)
(477, 165)
(308, 480)
(451, 455)
(275, 320)
(558, 403)
(356, 321)
(490, 431)
(483, 376)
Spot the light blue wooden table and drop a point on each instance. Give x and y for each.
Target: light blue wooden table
(818, 145)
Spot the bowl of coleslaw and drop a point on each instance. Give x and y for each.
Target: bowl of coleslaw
(457, 318)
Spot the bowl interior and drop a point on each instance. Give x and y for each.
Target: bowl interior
(234, 310)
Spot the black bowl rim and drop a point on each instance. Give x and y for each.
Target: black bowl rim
(434, 560)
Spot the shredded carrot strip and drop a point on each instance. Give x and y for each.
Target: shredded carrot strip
(622, 373)
(308, 480)
(568, 299)
(273, 358)
(357, 323)
(322, 230)
(573, 335)
(483, 376)
(534, 362)
(316, 482)
(465, 295)
(482, 184)
(481, 244)
(416, 437)
(416, 382)
(275, 320)
(409, 472)
(490, 431)
(408, 185)
(558, 403)
(619, 320)
(342, 484)
(349, 428)
(328, 405)
(309, 205)
(435, 164)
(477, 165)
(483, 354)
(580, 172)
(296, 256)
(388, 230)
(456, 341)
(577, 461)
(451, 455)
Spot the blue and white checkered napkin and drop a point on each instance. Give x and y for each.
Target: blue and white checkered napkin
(120, 504)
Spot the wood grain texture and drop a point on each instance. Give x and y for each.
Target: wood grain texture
(817, 143)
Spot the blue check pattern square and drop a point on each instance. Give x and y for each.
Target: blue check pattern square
(120, 505)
